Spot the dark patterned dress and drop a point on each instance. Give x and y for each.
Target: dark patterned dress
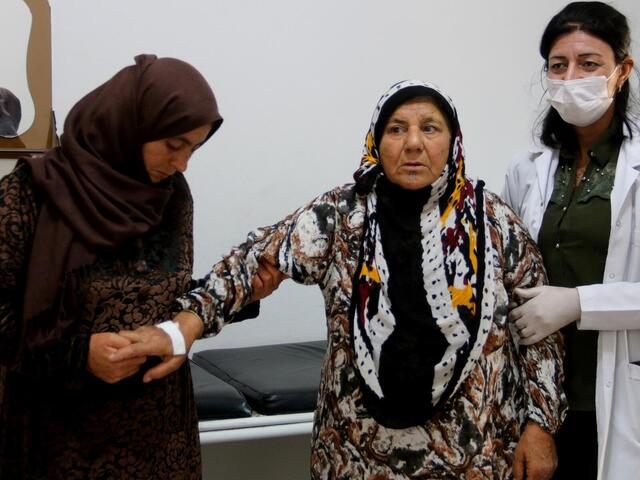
(57, 421)
(474, 435)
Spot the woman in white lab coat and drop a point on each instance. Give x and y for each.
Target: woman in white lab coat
(578, 191)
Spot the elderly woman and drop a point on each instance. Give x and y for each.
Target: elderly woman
(578, 192)
(96, 237)
(417, 264)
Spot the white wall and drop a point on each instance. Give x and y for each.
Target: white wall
(296, 82)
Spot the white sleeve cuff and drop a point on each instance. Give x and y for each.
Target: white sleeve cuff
(177, 339)
(610, 306)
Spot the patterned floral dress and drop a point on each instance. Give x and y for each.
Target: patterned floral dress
(57, 421)
(474, 435)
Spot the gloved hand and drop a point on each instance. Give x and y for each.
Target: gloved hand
(546, 310)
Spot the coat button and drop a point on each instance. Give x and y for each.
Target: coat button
(608, 384)
(612, 275)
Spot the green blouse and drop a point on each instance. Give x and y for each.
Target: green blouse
(574, 239)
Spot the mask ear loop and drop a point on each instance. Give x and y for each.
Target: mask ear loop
(619, 88)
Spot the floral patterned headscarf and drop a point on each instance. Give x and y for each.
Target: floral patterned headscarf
(424, 289)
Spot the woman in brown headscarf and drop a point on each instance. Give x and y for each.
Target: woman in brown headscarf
(96, 237)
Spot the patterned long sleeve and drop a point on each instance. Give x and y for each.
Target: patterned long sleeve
(18, 214)
(300, 246)
(541, 364)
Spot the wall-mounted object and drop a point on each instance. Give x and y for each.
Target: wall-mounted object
(27, 124)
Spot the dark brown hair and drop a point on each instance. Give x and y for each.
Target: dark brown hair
(602, 21)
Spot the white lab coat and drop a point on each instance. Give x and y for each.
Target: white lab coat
(612, 307)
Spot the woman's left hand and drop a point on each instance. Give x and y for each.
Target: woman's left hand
(535, 455)
(152, 341)
(546, 310)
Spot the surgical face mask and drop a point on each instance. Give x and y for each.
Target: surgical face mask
(582, 101)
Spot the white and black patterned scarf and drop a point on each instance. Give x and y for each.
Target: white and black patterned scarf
(424, 289)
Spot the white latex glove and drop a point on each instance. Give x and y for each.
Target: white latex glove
(546, 310)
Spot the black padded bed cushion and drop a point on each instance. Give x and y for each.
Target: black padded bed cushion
(275, 379)
(216, 399)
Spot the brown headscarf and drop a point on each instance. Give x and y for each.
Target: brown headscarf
(95, 192)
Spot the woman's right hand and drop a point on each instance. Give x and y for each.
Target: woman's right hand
(266, 280)
(99, 364)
